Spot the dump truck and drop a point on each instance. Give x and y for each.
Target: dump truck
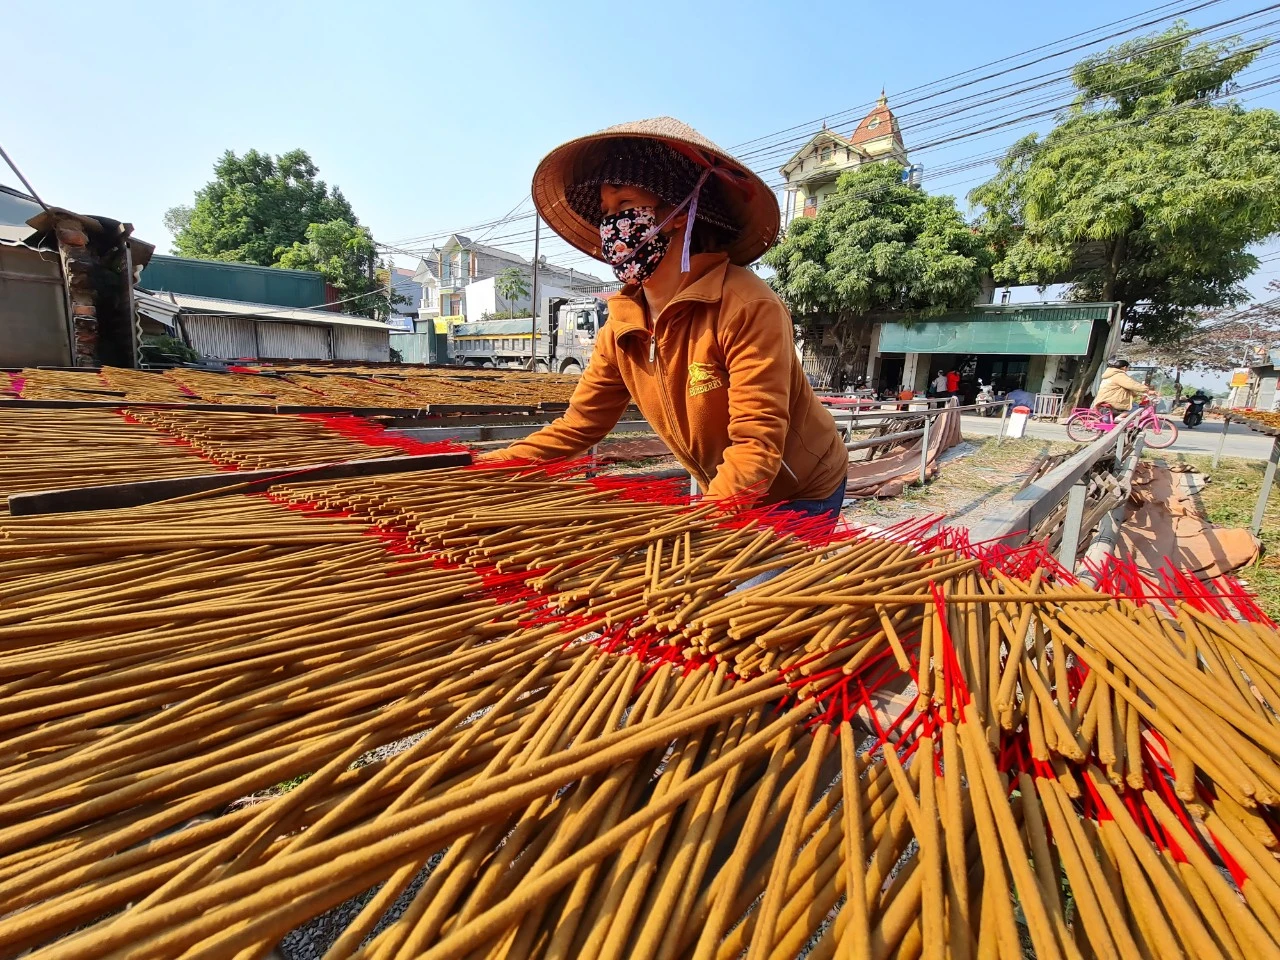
(559, 341)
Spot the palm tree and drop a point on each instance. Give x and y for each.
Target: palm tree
(510, 284)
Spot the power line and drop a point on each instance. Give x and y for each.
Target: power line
(25, 182)
(931, 119)
(852, 111)
(955, 76)
(987, 131)
(951, 117)
(768, 154)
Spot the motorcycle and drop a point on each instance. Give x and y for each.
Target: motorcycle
(1194, 414)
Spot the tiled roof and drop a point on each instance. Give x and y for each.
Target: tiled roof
(878, 123)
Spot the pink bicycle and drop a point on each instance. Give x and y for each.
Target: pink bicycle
(1086, 424)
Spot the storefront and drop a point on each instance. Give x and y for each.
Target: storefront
(1034, 347)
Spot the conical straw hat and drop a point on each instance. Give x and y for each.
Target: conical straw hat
(748, 204)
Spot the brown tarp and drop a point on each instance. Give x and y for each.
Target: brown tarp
(1164, 520)
(898, 467)
(615, 451)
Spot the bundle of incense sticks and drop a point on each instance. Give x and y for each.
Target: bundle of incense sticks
(1267, 418)
(55, 449)
(299, 385)
(509, 713)
(47, 449)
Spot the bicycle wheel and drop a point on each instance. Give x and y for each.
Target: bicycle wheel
(1084, 427)
(1159, 433)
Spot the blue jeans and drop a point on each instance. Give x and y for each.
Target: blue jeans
(828, 508)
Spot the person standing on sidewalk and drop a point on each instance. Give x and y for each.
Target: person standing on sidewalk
(701, 344)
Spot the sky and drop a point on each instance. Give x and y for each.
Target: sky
(431, 117)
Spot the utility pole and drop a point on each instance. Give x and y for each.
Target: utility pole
(391, 267)
(533, 339)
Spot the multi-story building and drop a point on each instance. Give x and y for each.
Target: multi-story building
(447, 270)
(811, 174)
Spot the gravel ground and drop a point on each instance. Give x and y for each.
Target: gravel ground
(977, 476)
(312, 940)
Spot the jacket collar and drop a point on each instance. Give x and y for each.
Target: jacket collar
(704, 283)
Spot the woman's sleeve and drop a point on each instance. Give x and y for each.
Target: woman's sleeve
(597, 403)
(757, 342)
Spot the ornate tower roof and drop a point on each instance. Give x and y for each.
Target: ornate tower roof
(879, 124)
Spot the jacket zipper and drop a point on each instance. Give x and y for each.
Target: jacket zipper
(703, 481)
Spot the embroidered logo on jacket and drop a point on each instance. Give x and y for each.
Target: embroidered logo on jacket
(702, 379)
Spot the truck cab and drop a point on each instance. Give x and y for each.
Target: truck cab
(576, 325)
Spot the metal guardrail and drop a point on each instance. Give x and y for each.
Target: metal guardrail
(1014, 522)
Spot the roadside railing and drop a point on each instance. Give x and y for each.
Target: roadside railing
(852, 420)
(1015, 522)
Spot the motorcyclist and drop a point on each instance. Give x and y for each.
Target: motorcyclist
(1196, 404)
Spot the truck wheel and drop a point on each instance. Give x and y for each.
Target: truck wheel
(571, 369)
(540, 366)
(487, 365)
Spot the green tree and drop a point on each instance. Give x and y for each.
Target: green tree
(511, 284)
(346, 256)
(276, 212)
(877, 245)
(1218, 340)
(1148, 191)
(255, 206)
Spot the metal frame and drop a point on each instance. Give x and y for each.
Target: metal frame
(1014, 523)
(1268, 481)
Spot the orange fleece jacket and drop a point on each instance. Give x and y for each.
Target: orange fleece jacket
(717, 378)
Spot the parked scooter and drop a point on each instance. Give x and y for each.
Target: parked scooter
(1196, 403)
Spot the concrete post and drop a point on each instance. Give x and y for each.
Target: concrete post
(1222, 442)
(1071, 525)
(1268, 481)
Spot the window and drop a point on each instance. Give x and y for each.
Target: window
(586, 321)
(825, 155)
(875, 122)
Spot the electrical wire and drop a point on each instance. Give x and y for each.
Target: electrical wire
(1155, 45)
(1006, 102)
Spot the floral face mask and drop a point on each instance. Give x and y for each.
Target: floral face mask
(631, 243)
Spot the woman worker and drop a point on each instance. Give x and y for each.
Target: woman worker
(701, 344)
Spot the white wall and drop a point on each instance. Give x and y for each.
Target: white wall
(482, 297)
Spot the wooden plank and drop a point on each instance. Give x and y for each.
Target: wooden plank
(119, 495)
(125, 404)
(442, 408)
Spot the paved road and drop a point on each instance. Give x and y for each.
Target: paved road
(1241, 441)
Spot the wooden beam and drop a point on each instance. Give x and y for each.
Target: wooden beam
(120, 495)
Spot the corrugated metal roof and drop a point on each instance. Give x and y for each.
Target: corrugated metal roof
(1031, 311)
(210, 306)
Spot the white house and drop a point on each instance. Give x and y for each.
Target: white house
(811, 174)
(447, 271)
